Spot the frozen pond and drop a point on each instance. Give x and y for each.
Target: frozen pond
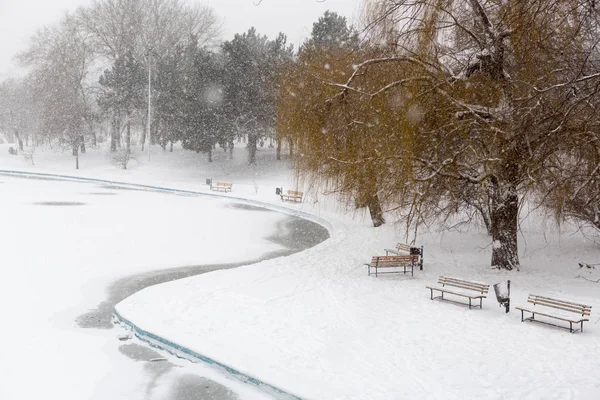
(73, 250)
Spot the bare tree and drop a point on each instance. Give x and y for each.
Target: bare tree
(59, 58)
(146, 29)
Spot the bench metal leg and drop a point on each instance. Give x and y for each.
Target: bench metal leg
(581, 326)
(469, 303)
(431, 290)
(480, 303)
(522, 320)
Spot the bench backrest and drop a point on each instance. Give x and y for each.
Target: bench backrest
(380, 260)
(462, 284)
(294, 193)
(409, 249)
(564, 305)
(223, 184)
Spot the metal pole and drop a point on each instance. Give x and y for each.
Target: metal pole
(149, 100)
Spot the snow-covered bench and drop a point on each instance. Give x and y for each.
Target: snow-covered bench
(402, 248)
(396, 264)
(222, 186)
(459, 287)
(562, 310)
(292, 195)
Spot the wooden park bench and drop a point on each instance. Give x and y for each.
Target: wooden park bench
(402, 248)
(221, 186)
(459, 287)
(562, 310)
(292, 195)
(395, 264)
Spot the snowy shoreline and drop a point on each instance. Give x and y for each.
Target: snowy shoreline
(315, 325)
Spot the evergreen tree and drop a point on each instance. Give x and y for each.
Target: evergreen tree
(123, 92)
(254, 65)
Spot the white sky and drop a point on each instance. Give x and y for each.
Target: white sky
(19, 19)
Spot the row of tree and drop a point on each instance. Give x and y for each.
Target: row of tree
(202, 92)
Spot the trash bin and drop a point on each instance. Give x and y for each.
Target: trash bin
(278, 191)
(209, 181)
(502, 291)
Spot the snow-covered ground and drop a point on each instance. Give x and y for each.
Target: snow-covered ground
(313, 323)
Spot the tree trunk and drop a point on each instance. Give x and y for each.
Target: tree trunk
(210, 155)
(291, 142)
(252, 139)
(505, 220)
(279, 149)
(375, 210)
(367, 197)
(118, 130)
(171, 147)
(113, 134)
(154, 131)
(76, 152)
(128, 134)
(144, 127)
(231, 145)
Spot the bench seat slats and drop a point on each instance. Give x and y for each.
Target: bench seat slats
(579, 310)
(452, 278)
(468, 289)
(292, 195)
(463, 285)
(567, 306)
(222, 186)
(556, 315)
(562, 310)
(404, 263)
(403, 247)
(531, 296)
(380, 259)
(456, 292)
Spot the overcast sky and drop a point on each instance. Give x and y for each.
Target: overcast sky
(19, 19)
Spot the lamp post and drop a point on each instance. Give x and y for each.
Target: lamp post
(149, 99)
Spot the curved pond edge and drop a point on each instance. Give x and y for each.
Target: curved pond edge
(188, 354)
(271, 206)
(160, 342)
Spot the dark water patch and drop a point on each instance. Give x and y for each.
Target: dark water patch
(59, 203)
(193, 387)
(139, 353)
(116, 187)
(247, 207)
(299, 234)
(156, 365)
(102, 193)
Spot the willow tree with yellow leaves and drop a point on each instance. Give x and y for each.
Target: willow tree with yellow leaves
(454, 101)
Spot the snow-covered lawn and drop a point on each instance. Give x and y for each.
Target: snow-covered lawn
(315, 325)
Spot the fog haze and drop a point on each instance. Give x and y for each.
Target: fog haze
(19, 20)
